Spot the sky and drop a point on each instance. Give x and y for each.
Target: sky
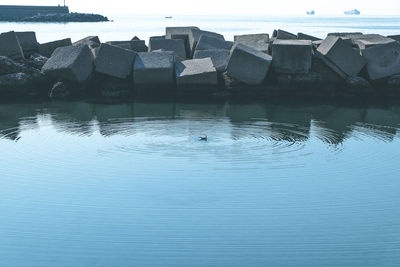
(223, 7)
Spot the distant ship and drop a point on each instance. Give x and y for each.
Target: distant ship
(312, 12)
(352, 12)
(169, 17)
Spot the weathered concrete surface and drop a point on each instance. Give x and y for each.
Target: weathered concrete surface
(219, 57)
(340, 56)
(114, 61)
(196, 72)
(91, 41)
(196, 34)
(292, 56)
(283, 35)
(248, 65)
(208, 42)
(175, 45)
(169, 31)
(10, 46)
(134, 45)
(259, 41)
(122, 44)
(383, 60)
(73, 63)
(154, 69)
(368, 40)
(47, 49)
(28, 42)
(303, 36)
(345, 34)
(394, 37)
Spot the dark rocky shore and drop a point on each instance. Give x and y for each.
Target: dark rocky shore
(69, 17)
(189, 62)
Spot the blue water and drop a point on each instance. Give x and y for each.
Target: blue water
(124, 27)
(131, 185)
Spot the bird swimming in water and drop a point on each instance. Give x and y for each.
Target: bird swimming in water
(203, 138)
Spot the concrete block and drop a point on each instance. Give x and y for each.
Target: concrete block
(340, 56)
(248, 65)
(292, 56)
(208, 42)
(73, 63)
(185, 39)
(303, 36)
(219, 57)
(169, 31)
(195, 72)
(122, 44)
(91, 41)
(10, 46)
(259, 42)
(394, 37)
(175, 45)
(28, 42)
(154, 69)
(114, 61)
(283, 35)
(134, 45)
(47, 49)
(382, 60)
(345, 34)
(368, 40)
(196, 34)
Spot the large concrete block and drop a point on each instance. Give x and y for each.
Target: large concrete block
(208, 42)
(283, 35)
(196, 34)
(134, 45)
(196, 72)
(28, 42)
(292, 56)
(248, 65)
(259, 41)
(10, 46)
(367, 40)
(383, 60)
(340, 56)
(303, 36)
(114, 61)
(219, 57)
(175, 45)
(73, 63)
(47, 49)
(154, 69)
(394, 37)
(169, 31)
(345, 34)
(91, 41)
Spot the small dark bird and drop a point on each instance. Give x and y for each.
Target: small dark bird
(203, 138)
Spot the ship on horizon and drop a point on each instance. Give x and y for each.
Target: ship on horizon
(352, 12)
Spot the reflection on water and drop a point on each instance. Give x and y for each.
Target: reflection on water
(132, 185)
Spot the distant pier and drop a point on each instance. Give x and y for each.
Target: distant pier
(10, 12)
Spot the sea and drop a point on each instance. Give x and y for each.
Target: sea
(135, 184)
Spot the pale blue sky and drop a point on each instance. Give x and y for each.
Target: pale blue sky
(231, 7)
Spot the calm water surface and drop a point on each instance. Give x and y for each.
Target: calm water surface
(131, 185)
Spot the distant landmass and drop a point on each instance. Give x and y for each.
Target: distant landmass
(312, 12)
(45, 14)
(352, 12)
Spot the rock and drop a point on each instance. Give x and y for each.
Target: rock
(28, 42)
(383, 60)
(196, 75)
(175, 45)
(196, 34)
(47, 49)
(259, 42)
(91, 41)
(9, 66)
(60, 91)
(248, 65)
(340, 56)
(283, 35)
(368, 40)
(114, 61)
(22, 84)
(73, 63)
(302, 36)
(155, 70)
(219, 57)
(10, 46)
(292, 56)
(208, 42)
(36, 61)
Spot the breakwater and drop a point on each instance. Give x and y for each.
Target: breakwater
(190, 62)
(11, 12)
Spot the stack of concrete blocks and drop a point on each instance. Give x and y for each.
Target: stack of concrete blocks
(196, 77)
(340, 56)
(10, 46)
(182, 33)
(259, 41)
(153, 73)
(47, 49)
(248, 65)
(72, 63)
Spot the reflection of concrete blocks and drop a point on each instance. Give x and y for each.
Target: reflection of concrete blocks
(114, 61)
(73, 63)
(248, 65)
(292, 56)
